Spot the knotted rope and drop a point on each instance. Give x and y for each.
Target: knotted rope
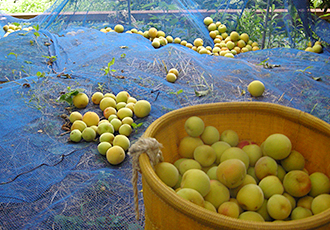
(151, 147)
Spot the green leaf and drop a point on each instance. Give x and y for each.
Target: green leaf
(179, 91)
(317, 78)
(112, 62)
(36, 27)
(134, 125)
(263, 62)
(201, 93)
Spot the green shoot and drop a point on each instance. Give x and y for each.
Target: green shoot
(100, 86)
(68, 97)
(12, 53)
(107, 70)
(51, 59)
(135, 126)
(263, 62)
(36, 33)
(177, 92)
(209, 89)
(266, 65)
(39, 74)
(304, 70)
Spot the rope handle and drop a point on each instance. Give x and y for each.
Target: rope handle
(151, 147)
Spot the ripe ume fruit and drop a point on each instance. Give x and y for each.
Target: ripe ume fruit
(187, 164)
(247, 180)
(209, 206)
(277, 146)
(168, 173)
(320, 203)
(256, 88)
(205, 155)
(320, 184)
(279, 207)
(88, 134)
(171, 77)
(75, 135)
(219, 147)
(271, 185)
(80, 100)
(124, 112)
(122, 96)
(97, 97)
(175, 71)
(230, 209)
(75, 116)
(230, 136)
(103, 147)
(188, 145)
(116, 123)
(235, 153)
(218, 193)
(263, 211)
(250, 197)
(196, 179)
(291, 199)
(251, 216)
(295, 161)
(265, 166)
(231, 172)
(254, 153)
(115, 155)
(106, 137)
(210, 135)
(300, 213)
(142, 108)
(78, 124)
(297, 183)
(120, 105)
(105, 127)
(119, 28)
(91, 118)
(305, 201)
(194, 126)
(107, 102)
(122, 141)
(191, 195)
(125, 129)
(107, 112)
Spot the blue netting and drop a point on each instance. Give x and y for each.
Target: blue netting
(47, 182)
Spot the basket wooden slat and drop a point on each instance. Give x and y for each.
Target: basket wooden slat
(251, 120)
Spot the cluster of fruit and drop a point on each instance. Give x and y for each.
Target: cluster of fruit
(243, 180)
(112, 131)
(315, 48)
(12, 28)
(225, 44)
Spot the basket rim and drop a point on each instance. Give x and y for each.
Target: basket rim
(207, 217)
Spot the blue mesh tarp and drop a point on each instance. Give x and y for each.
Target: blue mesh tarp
(47, 182)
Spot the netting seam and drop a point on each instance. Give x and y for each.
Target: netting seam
(35, 168)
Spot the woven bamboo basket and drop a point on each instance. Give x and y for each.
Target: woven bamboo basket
(251, 120)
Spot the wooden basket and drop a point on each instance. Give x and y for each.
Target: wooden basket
(251, 120)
